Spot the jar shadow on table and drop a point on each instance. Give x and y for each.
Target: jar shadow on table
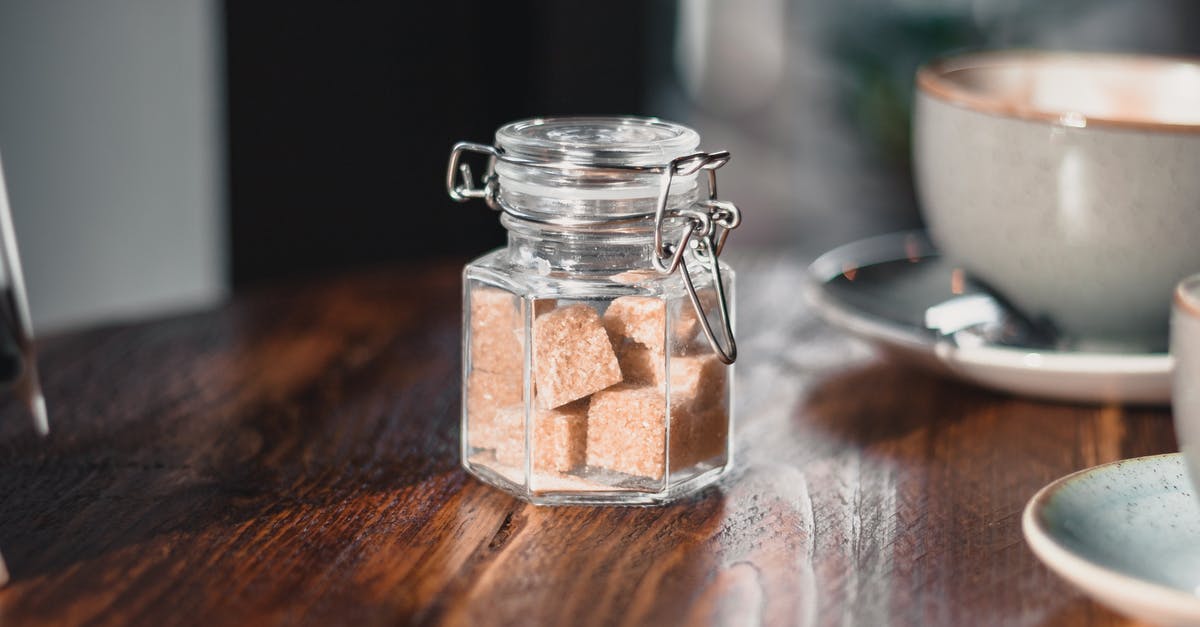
(699, 560)
(661, 552)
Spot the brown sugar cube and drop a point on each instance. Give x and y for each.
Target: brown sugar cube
(544, 305)
(557, 440)
(573, 356)
(697, 435)
(699, 415)
(708, 438)
(699, 380)
(508, 435)
(687, 324)
(496, 331)
(488, 394)
(627, 430)
(640, 364)
(487, 389)
(634, 277)
(641, 319)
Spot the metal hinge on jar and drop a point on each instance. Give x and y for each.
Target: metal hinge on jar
(710, 220)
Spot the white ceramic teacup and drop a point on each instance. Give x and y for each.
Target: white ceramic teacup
(1068, 182)
(1185, 386)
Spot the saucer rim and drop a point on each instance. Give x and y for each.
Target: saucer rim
(1106, 585)
(1006, 359)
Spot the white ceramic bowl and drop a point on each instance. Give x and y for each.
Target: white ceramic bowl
(1069, 182)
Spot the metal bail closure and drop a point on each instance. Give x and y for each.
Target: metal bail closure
(706, 233)
(462, 192)
(726, 355)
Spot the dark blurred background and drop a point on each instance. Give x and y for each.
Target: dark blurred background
(163, 152)
(340, 122)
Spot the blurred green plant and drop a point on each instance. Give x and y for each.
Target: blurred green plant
(878, 51)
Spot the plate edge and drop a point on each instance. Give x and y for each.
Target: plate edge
(1105, 583)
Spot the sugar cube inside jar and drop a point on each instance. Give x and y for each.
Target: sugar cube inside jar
(597, 356)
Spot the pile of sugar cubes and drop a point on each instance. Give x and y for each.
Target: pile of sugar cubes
(600, 387)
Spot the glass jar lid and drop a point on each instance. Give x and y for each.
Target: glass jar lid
(587, 168)
(597, 141)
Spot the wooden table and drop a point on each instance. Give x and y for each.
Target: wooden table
(292, 458)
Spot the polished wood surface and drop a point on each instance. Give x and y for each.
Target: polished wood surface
(292, 458)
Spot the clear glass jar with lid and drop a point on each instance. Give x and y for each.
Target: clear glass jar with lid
(597, 345)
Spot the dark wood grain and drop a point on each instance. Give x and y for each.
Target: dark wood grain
(292, 458)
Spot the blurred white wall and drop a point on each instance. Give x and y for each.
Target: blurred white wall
(110, 131)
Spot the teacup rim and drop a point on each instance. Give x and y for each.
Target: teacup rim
(931, 81)
(1185, 299)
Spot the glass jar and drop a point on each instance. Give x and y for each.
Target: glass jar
(597, 345)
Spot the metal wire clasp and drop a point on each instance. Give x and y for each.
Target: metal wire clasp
(710, 222)
(462, 192)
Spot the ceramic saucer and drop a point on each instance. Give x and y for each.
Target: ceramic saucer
(1127, 534)
(898, 292)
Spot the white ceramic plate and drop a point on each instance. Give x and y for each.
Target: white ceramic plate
(1127, 534)
(881, 288)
